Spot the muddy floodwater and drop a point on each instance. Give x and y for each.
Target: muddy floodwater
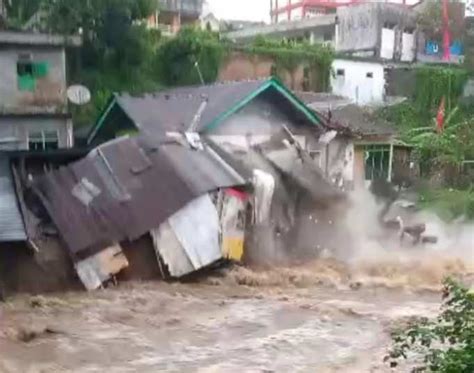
(321, 318)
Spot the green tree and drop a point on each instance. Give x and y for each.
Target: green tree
(430, 20)
(193, 52)
(108, 26)
(20, 11)
(117, 52)
(445, 344)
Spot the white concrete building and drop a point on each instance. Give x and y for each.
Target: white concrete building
(360, 81)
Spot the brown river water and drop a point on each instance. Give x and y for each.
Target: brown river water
(326, 316)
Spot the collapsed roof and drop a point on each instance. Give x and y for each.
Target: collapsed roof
(127, 187)
(342, 115)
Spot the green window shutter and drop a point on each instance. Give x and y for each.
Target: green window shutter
(26, 83)
(40, 69)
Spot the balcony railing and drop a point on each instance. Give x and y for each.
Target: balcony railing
(186, 7)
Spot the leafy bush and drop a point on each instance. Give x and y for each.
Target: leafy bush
(446, 344)
(449, 204)
(438, 153)
(435, 82)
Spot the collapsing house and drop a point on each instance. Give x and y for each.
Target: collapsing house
(180, 180)
(364, 147)
(263, 130)
(129, 187)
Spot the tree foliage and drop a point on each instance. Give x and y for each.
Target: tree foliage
(121, 54)
(430, 20)
(452, 146)
(445, 344)
(435, 82)
(20, 11)
(109, 27)
(181, 60)
(117, 51)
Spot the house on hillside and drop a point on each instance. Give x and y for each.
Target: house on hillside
(237, 115)
(378, 152)
(371, 39)
(33, 100)
(242, 113)
(33, 112)
(174, 14)
(210, 22)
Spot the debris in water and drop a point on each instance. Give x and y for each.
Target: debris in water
(28, 334)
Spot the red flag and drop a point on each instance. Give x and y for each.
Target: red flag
(440, 116)
(446, 33)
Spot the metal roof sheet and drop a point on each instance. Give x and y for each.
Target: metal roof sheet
(200, 107)
(11, 222)
(127, 187)
(363, 120)
(175, 109)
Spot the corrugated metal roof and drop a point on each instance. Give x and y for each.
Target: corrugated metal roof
(362, 120)
(11, 221)
(189, 240)
(127, 187)
(345, 115)
(203, 107)
(175, 109)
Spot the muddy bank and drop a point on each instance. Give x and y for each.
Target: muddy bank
(320, 317)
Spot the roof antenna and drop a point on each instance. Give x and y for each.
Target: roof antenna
(197, 117)
(196, 65)
(191, 135)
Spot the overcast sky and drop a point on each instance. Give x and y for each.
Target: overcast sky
(252, 10)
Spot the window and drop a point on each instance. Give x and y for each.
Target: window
(43, 140)
(327, 36)
(28, 72)
(340, 72)
(377, 162)
(370, 75)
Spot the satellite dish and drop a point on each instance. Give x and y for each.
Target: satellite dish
(78, 94)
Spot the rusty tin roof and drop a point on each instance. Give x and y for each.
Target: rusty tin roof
(125, 188)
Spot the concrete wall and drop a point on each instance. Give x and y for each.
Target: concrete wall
(358, 28)
(242, 66)
(255, 124)
(14, 131)
(362, 82)
(376, 27)
(50, 92)
(335, 159)
(287, 29)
